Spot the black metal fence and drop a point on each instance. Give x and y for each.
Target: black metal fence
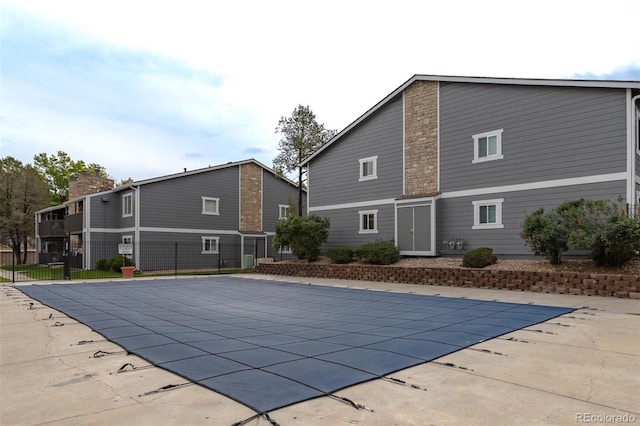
(104, 259)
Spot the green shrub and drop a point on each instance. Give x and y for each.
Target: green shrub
(479, 258)
(113, 264)
(601, 227)
(103, 264)
(547, 234)
(615, 242)
(302, 234)
(342, 254)
(378, 253)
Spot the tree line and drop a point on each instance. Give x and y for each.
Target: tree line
(28, 188)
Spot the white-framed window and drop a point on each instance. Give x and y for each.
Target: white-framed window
(210, 245)
(368, 221)
(127, 205)
(283, 209)
(210, 205)
(487, 146)
(368, 168)
(487, 214)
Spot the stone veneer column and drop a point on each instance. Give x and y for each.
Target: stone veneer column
(250, 198)
(86, 184)
(421, 138)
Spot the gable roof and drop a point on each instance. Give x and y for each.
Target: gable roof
(203, 170)
(611, 84)
(172, 176)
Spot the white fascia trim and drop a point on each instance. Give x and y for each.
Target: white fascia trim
(404, 145)
(113, 230)
(352, 205)
(189, 231)
(308, 185)
(167, 230)
(86, 228)
(611, 177)
(136, 224)
(632, 120)
(240, 201)
(420, 201)
(437, 137)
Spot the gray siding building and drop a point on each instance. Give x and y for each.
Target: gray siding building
(447, 164)
(217, 213)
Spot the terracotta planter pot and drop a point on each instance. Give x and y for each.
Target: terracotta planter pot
(127, 271)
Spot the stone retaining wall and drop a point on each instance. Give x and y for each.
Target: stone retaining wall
(626, 286)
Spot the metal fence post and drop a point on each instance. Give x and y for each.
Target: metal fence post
(175, 259)
(67, 258)
(219, 256)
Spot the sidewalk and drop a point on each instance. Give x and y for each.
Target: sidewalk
(583, 367)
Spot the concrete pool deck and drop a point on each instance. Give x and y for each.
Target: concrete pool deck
(582, 367)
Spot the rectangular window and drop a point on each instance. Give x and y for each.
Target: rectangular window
(127, 205)
(210, 205)
(487, 146)
(283, 210)
(368, 168)
(487, 214)
(368, 221)
(210, 245)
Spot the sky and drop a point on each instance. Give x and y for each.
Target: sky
(149, 88)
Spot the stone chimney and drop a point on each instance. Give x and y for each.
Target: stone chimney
(421, 139)
(88, 184)
(250, 198)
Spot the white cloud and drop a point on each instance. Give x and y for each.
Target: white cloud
(193, 83)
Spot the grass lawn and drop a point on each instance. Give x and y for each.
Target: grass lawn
(44, 272)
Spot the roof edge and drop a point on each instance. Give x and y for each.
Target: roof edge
(203, 170)
(612, 84)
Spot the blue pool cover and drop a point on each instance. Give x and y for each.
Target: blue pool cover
(269, 344)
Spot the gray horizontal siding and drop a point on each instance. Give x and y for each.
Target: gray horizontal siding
(100, 245)
(549, 133)
(276, 191)
(345, 225)
(107, 214)
(158, 250)
(177, 203)
(455, 215)
(333, 176)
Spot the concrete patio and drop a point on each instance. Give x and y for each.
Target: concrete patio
(582, 367)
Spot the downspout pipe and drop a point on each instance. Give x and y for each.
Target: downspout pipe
(136, 226)
(633, 115)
